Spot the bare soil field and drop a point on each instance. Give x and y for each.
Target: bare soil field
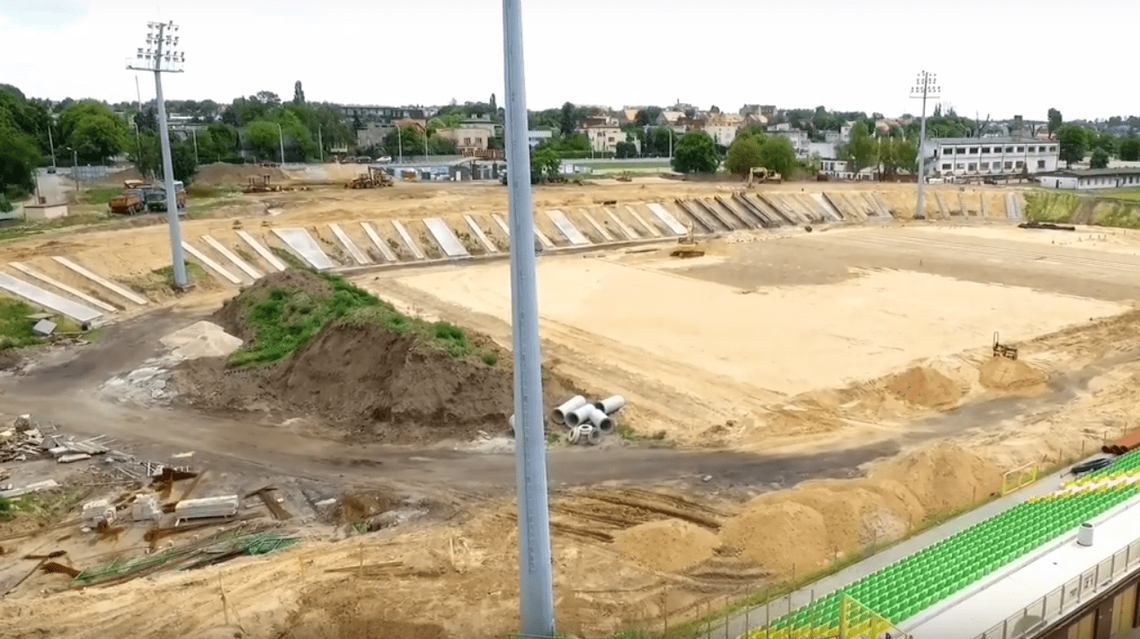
(793, 398)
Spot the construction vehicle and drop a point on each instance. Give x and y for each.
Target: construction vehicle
(625, 176)
(688, 246)
(758, 174)
(155, 196)
(260, 185)
(129, 202)
(1003, 350)
(374, 179)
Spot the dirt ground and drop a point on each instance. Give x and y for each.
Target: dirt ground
(817, 394)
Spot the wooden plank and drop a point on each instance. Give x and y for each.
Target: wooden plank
(348, 245)
(380, 243)
(102, 281)
(210, 264)
(260, 249)
(245, 266)
(51, 281)
(480, 235)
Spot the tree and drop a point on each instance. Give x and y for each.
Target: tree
(298, 93)
(778, 155)
(1072, 141)
(19, 157)
(147, 119)
(261, 138)
(695, 153)
(1055, 120)
(661, 141)
(544, 163)
(861, 151)
(1099, 159)
(647, 116)
(1130, 149)
(743, 154)
(625, 150)
(97, 138)
(568, 121)
(407, 140)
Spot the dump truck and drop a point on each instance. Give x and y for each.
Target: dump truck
(129, 202)
(155, 196)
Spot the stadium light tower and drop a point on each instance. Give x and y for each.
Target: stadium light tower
(160, 56)
(926, 86)
(536, 584)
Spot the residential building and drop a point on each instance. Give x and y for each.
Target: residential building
(674, 119)
(469, 139)
(721, 126)
(535, 138)
(385, 115)
(1113, 178)
(628, 114)
(603, 132)
(998, 156)
(799, 139)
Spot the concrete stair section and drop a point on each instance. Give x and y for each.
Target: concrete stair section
(962, 204)
(272, 260)
(697, 214)
(209, 263)
(1013, 207)
(777, 204)
(81, 313)
(667, 218)
(602, 231)
(880, 204)
(242, 265)
(825, 204)
(502, 224)
(840, 204)
(56, 284)
(983, 208)
(480, 236)
(379, 242)
(622, 226)
(746, 218)
(943, 210)
(445, 238)
(719, 215)
(763, 212)
(566, 227)
(305, 247)
(812, 206)
(542, 239)
(652, 230)
(408, 240)
(348, 245)
(872, 205)
(805, 209)
(117, 289)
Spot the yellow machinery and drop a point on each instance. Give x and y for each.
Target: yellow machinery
(759, 174)
(688, 246)
(374, 179)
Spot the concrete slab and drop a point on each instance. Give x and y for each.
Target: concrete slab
(261, 250)
(51, 281)
(826, 205)
(884, 210)
(210, 263)
(653, 230)
(603, 231)
(443, 235)
(40, 297)
(306, 247)
(628, 232)
(502, 224)
(346, 242)
(245, 266)
(379, 242)
(409, 242)
(542, 239)
(480, 235)
(122, 291)
(667, 218)
(566, 228)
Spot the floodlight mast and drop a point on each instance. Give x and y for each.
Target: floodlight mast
(161, 57)
(926, 86)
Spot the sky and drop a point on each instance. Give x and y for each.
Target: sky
(993, 58)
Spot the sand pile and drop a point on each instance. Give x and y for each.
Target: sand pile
(780, 536)
(925, 386)
(1002, 373)
(668, 545)
(222, 173)
(202, 339)
(942, 476)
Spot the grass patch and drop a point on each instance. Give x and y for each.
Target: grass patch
(1118, 215)
(292, 261)
(101, 195)
(1050, 206)
(24, 229)
(16, 329)
(162, 279)
(284, 322)
(626, 432)
(45, 507)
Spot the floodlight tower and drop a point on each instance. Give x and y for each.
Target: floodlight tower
(926, 86)
(160, 56)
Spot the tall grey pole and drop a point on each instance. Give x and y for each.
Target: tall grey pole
(51, 143)
(321, 143)
(168, 170)
(281, 141)
(536, 584)
(925, 87)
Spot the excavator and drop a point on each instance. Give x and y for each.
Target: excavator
(758, 174)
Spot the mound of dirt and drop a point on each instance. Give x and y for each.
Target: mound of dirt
(942, 476)
(668, 545)
(348, 610)
(925, 387)
(784, 537)
(201, 339)
(1002, 373)
(221, 173)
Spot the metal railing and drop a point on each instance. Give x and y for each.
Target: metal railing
(1076, 592)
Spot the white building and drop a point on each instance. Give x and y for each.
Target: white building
(603, 132)
(1091, 179)
(997, 156)
(722, 127)
(535, 138)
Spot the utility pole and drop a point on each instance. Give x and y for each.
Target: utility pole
(400, 142)
(925, 87)
(281, 140)
(321, 142)
(159, 56)
(51, 143)
(536, 584)
(193, 132)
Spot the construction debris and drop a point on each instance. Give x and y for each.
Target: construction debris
(146, 508)
(271, 502)
(208, 507)
(40, 486)
(97, 512)
(44, 327)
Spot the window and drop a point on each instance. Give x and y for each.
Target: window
(985, 166)
(1052, 149)
(946, 167)
(1008, 165)
(1009, 149)
(466, 141)
(1040, 164)
(985, 149)
(973, 150)
(973, 167)
(1040, 149)
(961, 166)
(1020, 164)
(1021, 149)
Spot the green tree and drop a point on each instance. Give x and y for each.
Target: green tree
(662, 140)
(1055, 120)
(544, 163)
(778, 155)
(19, 157)
(1130, 149)
(1072, 141)
(861, 150)
(261, 138)
(568, 122)
(298, 93)
(1099, 159)
(407, 140)
(93, 130)
(743, 154)
(625, 150)
(695, 153)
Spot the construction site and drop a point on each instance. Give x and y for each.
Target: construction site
(750, 384)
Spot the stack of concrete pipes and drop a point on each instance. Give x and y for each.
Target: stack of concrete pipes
(587, 422)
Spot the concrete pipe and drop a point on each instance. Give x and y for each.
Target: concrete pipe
(602, 422)
(559, 413)
(581, 433)
(580, 415)
(610, 405)
(594, 436)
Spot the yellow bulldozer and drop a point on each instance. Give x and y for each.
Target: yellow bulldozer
(373, 179)
(759, 174)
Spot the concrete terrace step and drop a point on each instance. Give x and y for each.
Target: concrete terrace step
(122, 291)
(85, 315)
(242, 265)
(54, 283)
(306, 247)
(262, 251)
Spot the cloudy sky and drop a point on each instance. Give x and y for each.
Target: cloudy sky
(992, 57)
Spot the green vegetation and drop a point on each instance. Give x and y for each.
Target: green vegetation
(163, 278)
(696, 153)
(1118, 215)
(1050, 206)
(626, 432)
(16, 329)
(283, 323)
(101, 195)
(45, 507)
(292, 261)
(1118, 209)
